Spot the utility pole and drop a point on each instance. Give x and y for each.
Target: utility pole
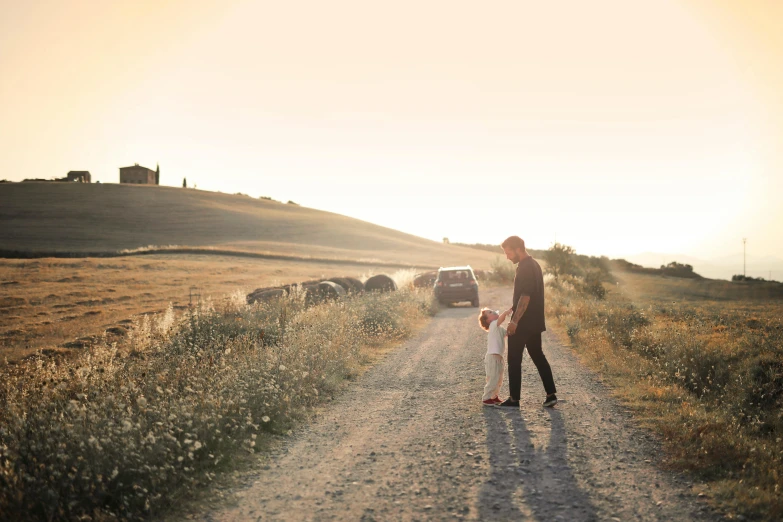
(744, 240)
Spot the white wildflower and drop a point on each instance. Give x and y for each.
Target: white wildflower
(265, 418)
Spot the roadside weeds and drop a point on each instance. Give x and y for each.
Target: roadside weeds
(690, 376)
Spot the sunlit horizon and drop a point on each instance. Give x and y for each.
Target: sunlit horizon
(617, 128)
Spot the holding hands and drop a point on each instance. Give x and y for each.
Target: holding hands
(512, 325)
(506, 313)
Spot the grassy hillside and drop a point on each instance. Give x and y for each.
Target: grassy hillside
(654, 289)
(100, 218)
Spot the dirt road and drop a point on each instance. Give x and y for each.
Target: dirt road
(411, 441)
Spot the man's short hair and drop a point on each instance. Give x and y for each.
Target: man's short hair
(483, 319)
(514, 243)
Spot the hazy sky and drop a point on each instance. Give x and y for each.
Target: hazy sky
(615, 126)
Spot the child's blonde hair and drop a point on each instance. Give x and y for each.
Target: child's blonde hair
(482, 318)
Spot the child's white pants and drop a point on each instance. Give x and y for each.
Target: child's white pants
(493, 364)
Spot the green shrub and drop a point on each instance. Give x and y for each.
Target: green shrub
(676, 269)
(502, 271)
(592, 284)
(560, 260)
(573, 328)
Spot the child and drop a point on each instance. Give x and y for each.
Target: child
(490, 321)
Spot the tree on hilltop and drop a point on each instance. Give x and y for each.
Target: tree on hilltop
(560, 260)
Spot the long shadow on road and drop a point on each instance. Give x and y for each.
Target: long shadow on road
(530, 478)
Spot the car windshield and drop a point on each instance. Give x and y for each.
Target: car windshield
(455, 275)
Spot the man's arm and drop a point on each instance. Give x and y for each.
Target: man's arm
(521, 308)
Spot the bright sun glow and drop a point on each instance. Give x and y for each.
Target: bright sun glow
(616, 127)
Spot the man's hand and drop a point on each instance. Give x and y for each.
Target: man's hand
(512, 328)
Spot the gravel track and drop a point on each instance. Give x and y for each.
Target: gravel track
(410, 440)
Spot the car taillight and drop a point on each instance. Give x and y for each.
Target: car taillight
(473, 283)
(439, 283)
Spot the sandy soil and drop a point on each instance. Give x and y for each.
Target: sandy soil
(411, 441)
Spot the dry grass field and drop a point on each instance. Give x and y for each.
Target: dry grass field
(59, 304)
(654, 289)
(701, 363)
(130, 432)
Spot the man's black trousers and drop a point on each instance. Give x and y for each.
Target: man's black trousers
(516, 347)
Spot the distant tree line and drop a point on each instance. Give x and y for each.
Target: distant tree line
(744, 278)
(563, 259)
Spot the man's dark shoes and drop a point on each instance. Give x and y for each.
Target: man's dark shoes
(550, 401)
(509, 403)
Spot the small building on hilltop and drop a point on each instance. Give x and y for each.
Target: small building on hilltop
(79, 176)
(140, 175)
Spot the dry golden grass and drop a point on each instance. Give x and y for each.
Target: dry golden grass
(128, 432)
(47, 303)
(700, 363)
(653, 289)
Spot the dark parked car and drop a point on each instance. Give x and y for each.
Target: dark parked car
(455, 284)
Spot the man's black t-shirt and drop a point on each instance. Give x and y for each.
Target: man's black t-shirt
(529, 280)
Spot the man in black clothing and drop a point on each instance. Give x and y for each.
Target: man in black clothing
(527, 323)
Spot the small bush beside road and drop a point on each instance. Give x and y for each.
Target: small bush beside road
(501, 271)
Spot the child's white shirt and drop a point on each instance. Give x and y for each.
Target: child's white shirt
(496, 338)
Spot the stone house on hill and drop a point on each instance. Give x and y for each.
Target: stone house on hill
(140, 175)
(80, 176)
